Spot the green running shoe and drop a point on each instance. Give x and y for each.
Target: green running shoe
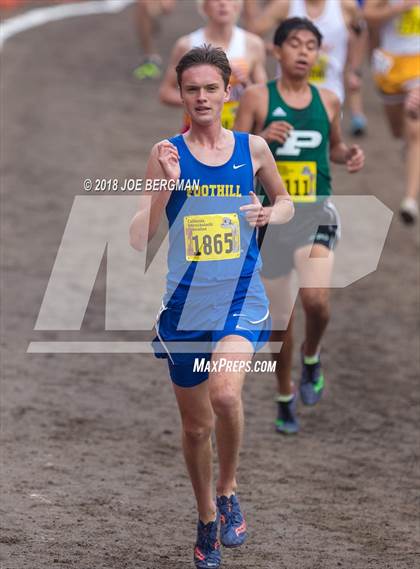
(311, 382)
(287, 422)
(150, 68)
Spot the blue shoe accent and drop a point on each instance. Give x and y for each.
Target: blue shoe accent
(207, 548)
(232, 522)
(358, 125)
(287, 422)
(311, 383)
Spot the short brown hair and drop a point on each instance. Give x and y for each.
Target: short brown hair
(205, 55)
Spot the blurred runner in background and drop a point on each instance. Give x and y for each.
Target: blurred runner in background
(148, 14)
(245, 51)
(343, 49)
(396, 68)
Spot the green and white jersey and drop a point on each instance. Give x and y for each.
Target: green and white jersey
(303, 160)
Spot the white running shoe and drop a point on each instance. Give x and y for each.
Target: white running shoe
(409, 210)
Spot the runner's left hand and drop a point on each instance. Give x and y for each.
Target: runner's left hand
(168, 157)
(355, 159)
(240, 74)
(256, 214)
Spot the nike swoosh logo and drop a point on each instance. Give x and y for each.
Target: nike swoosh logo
(236, 166)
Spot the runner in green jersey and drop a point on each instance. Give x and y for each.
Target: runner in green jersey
(302, 126)
(302, 159)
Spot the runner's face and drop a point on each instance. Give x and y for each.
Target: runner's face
(203, 93)
(222, 11)
(298, 54)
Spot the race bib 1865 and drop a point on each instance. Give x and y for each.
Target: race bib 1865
(299, 179)
(212, 237)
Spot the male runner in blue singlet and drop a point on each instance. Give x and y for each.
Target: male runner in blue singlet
(215, 301)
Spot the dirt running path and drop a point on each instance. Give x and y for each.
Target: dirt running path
(93, 474)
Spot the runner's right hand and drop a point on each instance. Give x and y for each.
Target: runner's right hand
(277, 132)
(168, 158)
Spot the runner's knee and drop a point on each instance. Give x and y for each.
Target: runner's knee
(316, 307)
(197, 432)
(225, 402)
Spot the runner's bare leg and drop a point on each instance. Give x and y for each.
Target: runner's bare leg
(226, 398)
(412, 133)
(315, 279)
(281, 310)
(197, 425)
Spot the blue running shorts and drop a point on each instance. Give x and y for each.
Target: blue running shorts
(248, 318)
